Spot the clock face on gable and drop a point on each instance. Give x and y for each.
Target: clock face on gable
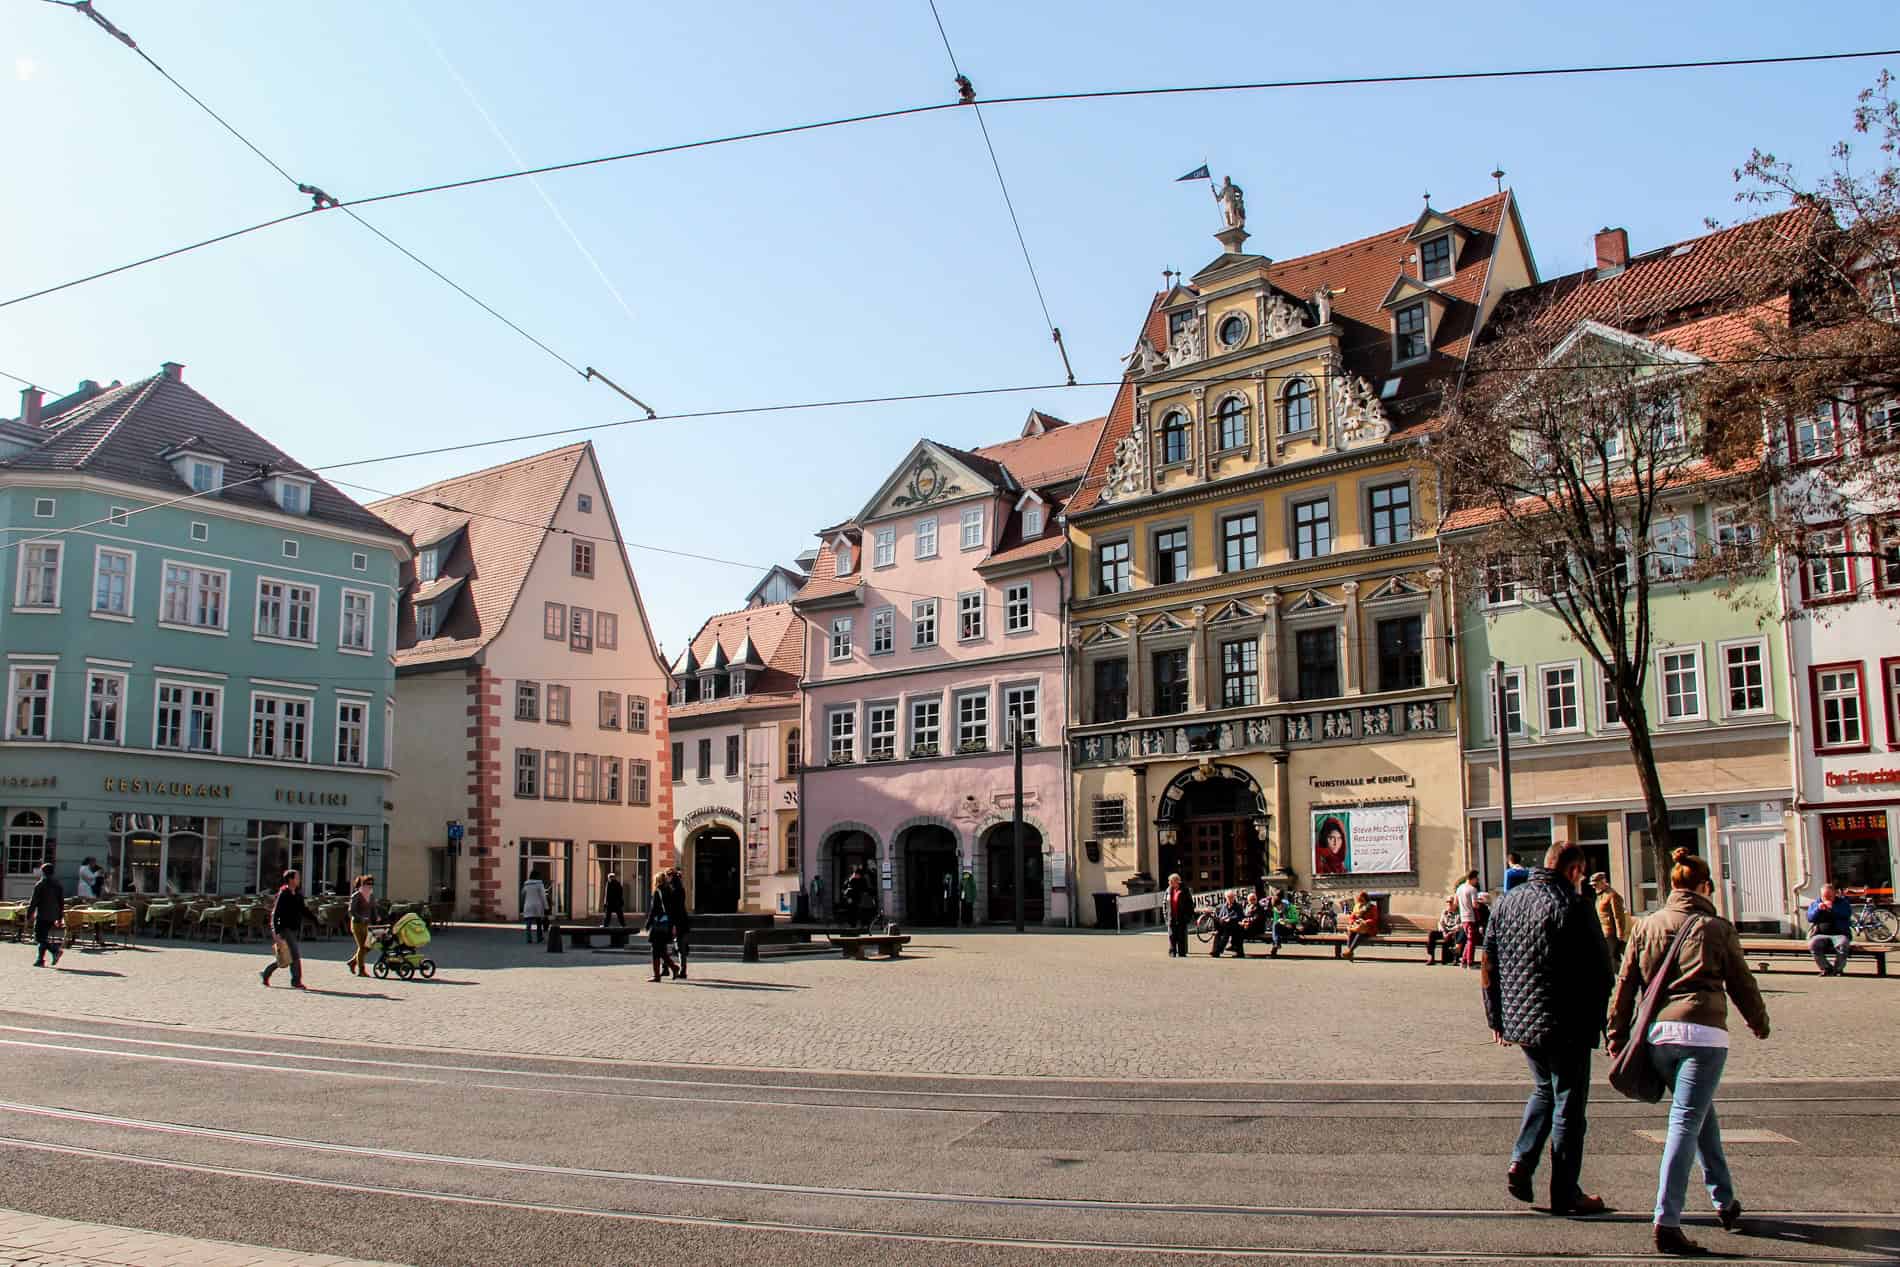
(926, 481)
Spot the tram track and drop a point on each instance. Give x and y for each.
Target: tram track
(1125, 1249)
(612, 1083)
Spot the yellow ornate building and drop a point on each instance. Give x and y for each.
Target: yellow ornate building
(1260, 640)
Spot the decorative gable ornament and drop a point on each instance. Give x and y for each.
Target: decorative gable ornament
(1164, 624)
(1311, 601)
(1234, 611)
(1186, 347)
(1144, 359)
(1280, 317)
(1128, 470)
(1395, 588)
(928, 483)
(1358, 416)
(1105, 633)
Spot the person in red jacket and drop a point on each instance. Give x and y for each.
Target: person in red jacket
(1180, 911)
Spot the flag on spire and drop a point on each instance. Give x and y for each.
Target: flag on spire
(1199, 173)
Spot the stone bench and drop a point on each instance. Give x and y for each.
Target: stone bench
(891, 944)
(1789, 947)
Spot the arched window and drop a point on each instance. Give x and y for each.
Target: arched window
(1174, 439)
(791, 751)
(1296, 404)
(1231, 423)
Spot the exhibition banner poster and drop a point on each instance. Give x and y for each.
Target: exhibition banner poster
(1362, 839)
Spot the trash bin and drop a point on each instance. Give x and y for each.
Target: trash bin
(1105, 910)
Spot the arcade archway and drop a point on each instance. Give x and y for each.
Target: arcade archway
(1212, 828)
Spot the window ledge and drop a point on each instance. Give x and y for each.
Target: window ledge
(112, 616)
(284, 642)
(20, 610)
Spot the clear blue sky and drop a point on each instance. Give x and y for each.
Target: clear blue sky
(860, 261)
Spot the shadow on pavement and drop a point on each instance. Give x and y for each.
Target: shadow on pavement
(349, 994)
(1871, 1240)
(89, 972)
(714, 983)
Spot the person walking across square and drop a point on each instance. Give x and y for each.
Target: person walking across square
(1613, 916)
(1688, 1037)
(1466, 896)
(47, 909)
(1546, 987)
(287, 914)
(362, 911)
(613, 905)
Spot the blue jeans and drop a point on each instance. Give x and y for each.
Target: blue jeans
(1692, 1073)
(1560, 1098)
(1829, 946)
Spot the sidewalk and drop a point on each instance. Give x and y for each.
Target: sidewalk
(30, 1240)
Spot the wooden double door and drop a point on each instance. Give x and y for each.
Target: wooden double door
(1211, 853)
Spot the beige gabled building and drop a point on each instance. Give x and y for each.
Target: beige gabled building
(532, 695)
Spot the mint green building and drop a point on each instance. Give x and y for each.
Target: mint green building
(197, 636)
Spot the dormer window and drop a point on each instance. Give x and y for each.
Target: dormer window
(426, 565)
(708, 688)
(736, 683)
(291, 495)
(1434, 258)
(1179, 321)
(425, 622)
(844, 558)
(1032, 521)
(1409, 337)
(203, 474)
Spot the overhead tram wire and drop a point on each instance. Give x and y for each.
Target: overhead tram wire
(908, 111)
(320, 199)
(966, 93)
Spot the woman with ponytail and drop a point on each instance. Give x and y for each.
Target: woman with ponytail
(1688, 1038)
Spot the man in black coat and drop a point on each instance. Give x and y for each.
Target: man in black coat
(47, 909)
(673, 895)
(287, 916)
(1547, 989)
(613, 904)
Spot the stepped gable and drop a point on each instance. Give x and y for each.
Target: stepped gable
(517, 501)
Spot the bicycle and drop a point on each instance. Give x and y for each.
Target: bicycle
(1871, 920)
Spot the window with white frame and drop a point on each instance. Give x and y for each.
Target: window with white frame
(425, 621)
(1828, 569)
(1017, 609)
(926, 538)
(1019, 701)
(1680, 683)
(607, 631)
(842, 559)
(1563, 703)
(584, 559)
(1500, 581)
(45, 507)
(1839, 717)
(884, 546)
(286, 611)
(352, 732)
(610, 710)
(1671, 547)
(1737, 537)
(554, 766)
(639, 782)
(1666, 434)
(426, 563)
(1815, 434)
(559, 704)
(30, 708)
(637, 714)
(841, 637)
(883, 631)
(186, 717)
(607, 789)
(280, 727)
(586, 776)
(105, 707)
(973, 721)
(353, 621)
(1744, 678)
(205, 476)
(580, 629)
(554, 621)
(970, 528)
(926, 726)
(1880, 422)
(841, 726)
(527, 772)
(880, 732)
(1886, 541)
(292, 497)
(923, 622)
(1032, 520)
(39, 575)
(1513, 702)
(389, 734)
(1609, 712)
(112, 582)
(969, 617)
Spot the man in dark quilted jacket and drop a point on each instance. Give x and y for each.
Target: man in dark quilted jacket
(1547, 985)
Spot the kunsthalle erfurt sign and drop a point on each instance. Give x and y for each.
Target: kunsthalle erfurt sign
(1362, 839)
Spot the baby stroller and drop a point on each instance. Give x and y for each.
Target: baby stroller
(400, 948)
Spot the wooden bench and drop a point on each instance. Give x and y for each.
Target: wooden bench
(853, 946)
(1762, 948)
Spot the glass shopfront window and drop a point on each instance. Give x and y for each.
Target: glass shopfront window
(337, 858)
(162, 854)
(274, 844)
(1530, 841)
(1648, 876)
(1858, 853)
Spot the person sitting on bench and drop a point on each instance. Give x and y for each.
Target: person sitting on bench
(1253, 921)
(1362, 924)
(1830, 931)
(1448, 937)
(1227, 929)
(1286, 922)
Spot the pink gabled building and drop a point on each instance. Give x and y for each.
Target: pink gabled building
(931, 617)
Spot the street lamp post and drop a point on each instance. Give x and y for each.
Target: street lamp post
(1504, 753)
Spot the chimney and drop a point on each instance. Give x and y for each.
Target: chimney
(1613, 251)
(30, 398)
(174, 371)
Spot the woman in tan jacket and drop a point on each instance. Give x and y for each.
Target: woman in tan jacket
(1688, 1037)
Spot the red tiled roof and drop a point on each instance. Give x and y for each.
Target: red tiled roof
(776, 632)
(1053, 457)
(494, 554)
(1693, 473)
(824, 581)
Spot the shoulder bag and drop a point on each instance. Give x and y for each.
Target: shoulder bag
(1631, 1071)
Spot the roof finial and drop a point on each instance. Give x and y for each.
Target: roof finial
(1497, 174)
(1428, 197)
